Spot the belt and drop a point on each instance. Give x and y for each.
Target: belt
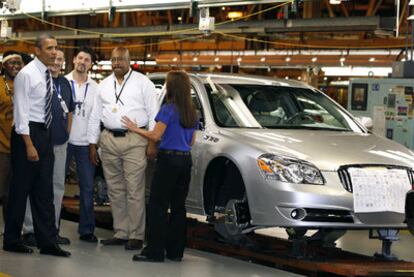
(175, 152)
(37, 125)
(117, 132)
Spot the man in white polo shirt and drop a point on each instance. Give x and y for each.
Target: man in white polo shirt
(83, 91)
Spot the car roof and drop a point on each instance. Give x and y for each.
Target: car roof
(238, 78)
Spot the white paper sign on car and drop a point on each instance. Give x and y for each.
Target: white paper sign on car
(379, 189)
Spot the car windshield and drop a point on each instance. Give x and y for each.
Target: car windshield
(276, 107)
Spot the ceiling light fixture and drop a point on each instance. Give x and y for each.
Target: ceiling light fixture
(195, 59)
(314, 59)
(287, 59)
(216, 59)
(263, 59)
(372, 59)
(239, 59)
(175, 59)
(234, 14)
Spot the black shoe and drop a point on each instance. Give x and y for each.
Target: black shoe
(89, 238)
(142, 258)
(114, 241)
(18, 248)
(29, 240)
(133, 244)
(62, 240)
(54, 250)
(144, 251)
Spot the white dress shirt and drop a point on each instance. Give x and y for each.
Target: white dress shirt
(29, 96)
(83, 108)
(137, 100)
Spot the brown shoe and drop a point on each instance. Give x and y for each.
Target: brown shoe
(133, 244)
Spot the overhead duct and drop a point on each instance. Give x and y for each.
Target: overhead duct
(338, 24)
(251, 27)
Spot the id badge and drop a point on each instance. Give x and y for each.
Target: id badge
(115, 108)
(78, 108)
(64, 107)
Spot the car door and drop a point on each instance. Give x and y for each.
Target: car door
(195, 197)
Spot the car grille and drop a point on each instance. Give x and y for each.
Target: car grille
(345, 178)
(346, 181)
(321, 215)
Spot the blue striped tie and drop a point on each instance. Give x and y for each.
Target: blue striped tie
(48, 103)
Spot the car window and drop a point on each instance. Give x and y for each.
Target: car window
(158, 82)
(276, 107)
(159, 86)
(222, 114)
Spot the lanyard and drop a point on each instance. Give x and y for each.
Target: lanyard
(59, 96)
(74, 93)
(58, 90)
(118, 96)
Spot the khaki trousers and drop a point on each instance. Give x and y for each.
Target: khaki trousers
(124, 162)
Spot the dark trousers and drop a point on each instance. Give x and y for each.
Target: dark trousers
(33, 180)
(169, 189)
(5, 178)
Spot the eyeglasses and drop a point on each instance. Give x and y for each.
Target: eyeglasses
(118, 59)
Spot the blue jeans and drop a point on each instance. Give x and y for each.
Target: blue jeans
(86, 172)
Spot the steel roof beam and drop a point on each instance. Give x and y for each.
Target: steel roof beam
(262, 27)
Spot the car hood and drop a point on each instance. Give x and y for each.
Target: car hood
(328, 150)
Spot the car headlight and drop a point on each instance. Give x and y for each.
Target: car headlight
(289, 170)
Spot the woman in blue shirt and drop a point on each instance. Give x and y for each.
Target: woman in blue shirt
(176, 123)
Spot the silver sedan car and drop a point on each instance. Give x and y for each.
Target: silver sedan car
(275, 152)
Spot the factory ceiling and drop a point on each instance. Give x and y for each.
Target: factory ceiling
(255, 33)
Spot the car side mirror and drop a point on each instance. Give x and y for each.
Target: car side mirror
(366, 122)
